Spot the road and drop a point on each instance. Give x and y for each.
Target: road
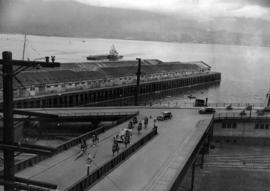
(155, 166)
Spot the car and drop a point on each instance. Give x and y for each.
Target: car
(229, 107)
(266, 109)
(207, 110)
(260, 112)
(249, 107)
(243, 112)
(165, 115)
(121, 135)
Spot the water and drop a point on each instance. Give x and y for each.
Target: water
(245, 70)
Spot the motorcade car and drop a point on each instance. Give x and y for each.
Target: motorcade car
(243, 112)
(165, 115)
(229, 107)
(249, 107)
(207, 110)
(260, 112)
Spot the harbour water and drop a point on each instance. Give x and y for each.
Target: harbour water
(245, 70)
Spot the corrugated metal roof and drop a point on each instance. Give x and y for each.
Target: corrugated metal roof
(70, 72)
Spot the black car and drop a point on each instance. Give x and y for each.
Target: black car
(260, 112)
(243, 112)
(165, 115)
(207, 110)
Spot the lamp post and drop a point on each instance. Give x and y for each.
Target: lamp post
(138, 82)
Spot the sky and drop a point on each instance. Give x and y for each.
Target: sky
(204, 9)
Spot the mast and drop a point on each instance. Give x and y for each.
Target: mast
(24, 44)
(113, 51)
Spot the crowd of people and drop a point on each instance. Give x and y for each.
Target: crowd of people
(124, 136)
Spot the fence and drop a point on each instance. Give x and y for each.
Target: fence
(249, 115)
(108, 166)
(235, 104)
(95, 114)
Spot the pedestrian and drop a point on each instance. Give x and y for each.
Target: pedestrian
(130, 125)
(139, 128)
(83, 145)
(95, 139)
(115, 147)
(145, 122)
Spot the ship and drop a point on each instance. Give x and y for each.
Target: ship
(112, 56)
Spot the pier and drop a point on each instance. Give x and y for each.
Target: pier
(122, 94)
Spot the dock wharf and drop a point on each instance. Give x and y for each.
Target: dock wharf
(121, 94)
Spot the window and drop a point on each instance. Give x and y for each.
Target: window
(257, 126)
(261, 126)
(229, 125)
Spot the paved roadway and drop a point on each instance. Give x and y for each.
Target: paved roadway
(151, 168)
(154, 166)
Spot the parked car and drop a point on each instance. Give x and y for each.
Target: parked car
(266, 109)
(249, 107)
(165, 115)
(207, 110)
(260, 112)
(243, 112)
(229, 107)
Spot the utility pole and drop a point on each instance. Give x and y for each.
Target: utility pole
(8, 131)
(24, 44)
(138, 82)
(8, 145)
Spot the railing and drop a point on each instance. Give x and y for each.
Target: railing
(190, 104)
(97, 114)
(191, 159)
(66, 145)
(235, 104)
(87, 181)
(239, 116)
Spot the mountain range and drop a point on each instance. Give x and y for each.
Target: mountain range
(74, 19)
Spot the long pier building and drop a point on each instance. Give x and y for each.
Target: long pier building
(92, 83)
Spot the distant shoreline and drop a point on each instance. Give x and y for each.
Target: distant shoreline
(134, 39)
